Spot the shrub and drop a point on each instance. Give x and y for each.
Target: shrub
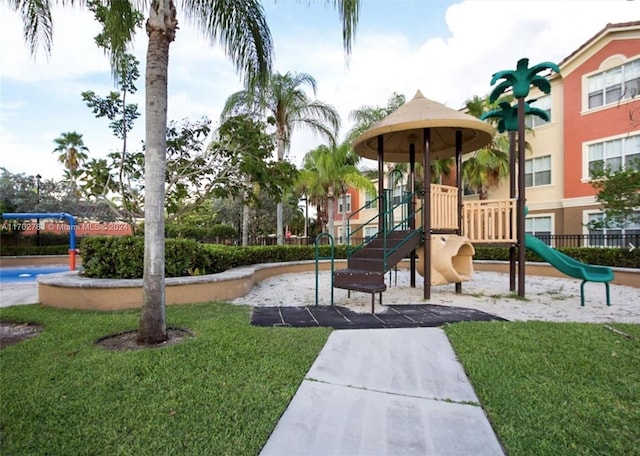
(621, 258)
(123, 257)
(8, 250)
(212, 234)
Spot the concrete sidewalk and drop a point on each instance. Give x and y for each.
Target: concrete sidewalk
(16, 293)
(384, 391)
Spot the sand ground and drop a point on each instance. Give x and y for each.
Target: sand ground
(547, 298)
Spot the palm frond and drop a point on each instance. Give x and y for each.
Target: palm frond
(240, 26)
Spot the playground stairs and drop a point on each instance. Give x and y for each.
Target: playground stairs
(366, 267)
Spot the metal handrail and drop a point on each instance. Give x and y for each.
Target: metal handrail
(331, 257)
(389, 209)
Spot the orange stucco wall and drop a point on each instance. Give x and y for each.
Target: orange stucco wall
(602, 123)
(355, 203)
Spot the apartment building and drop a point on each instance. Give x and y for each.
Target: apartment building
(594, 109)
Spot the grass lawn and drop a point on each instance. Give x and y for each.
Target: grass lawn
(548, 388)
(555, 389)
(221, 392)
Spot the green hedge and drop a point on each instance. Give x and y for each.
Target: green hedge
(34, 250)
(214, 233)
(122, 257)
(621, 258)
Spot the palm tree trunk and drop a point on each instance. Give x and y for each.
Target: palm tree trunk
(161, 27)
(280, 206)
(330, 215)
(344, 218)
(245, 225)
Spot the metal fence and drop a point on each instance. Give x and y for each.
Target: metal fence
(620, 241)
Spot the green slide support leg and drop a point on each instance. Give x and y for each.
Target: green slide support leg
(606, 285)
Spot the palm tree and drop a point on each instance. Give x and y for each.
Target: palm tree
(488, 166)
(241, 27)
(309, 185)
(366, 116)
(286, 103)
(329, 172)
(519, 81)
(71, 153)
(71, 150)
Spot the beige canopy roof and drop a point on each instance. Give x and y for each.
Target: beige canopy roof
(405, 125)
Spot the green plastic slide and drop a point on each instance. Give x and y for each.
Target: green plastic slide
(570, 266)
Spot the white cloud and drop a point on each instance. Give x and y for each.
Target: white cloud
(483, 37)
(73, 53)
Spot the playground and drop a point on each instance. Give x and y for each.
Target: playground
(548, 299)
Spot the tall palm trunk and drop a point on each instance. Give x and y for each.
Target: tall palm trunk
(345, 216)
(245, 225)
(161, 28)
(330, 205)
(280, 206)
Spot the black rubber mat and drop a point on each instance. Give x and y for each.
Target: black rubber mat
(406, 316)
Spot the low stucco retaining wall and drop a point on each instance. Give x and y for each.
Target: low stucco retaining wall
(35, 260)
(69, 290)
(622, 276)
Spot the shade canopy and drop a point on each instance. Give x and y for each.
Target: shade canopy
(406, 124)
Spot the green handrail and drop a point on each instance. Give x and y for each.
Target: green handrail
(318, 257)
(388, 224)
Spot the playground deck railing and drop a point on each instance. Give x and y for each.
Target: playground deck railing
(444, 207)
(490, 221)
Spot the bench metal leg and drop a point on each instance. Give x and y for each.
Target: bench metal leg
(606, 284)
(373, 304)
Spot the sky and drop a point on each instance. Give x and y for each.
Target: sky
(446, 49)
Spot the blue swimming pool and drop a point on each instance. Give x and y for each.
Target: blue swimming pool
(28, 274)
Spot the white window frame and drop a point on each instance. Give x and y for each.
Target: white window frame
(370, 230)
(624, 73)
(550, 216)
(626, 141)
(586, 218)
(369, 200)
(533, 162)
(341, 201)
(341, 238)
(543, 103)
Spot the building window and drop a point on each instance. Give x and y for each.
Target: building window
(543, 103)
(537, 171)
(342, 239)
(369, 200)
(341, 203)
(612, 237)
(615, 153)
(468, 191)
(614, 85)
(397, 194)
(539, 227)
(370, 231)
